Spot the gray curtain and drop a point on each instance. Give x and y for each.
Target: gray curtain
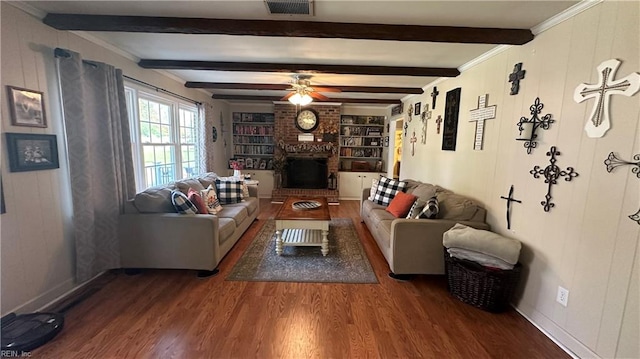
(100, 161)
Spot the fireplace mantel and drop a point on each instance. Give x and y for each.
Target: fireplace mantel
(317, 148)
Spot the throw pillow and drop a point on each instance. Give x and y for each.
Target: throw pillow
(245, 191)
(416, 208)
(194, 197)
(431, 209)
(401, 204)
(182, 204)
(211, 200)
(229, 191)
(374, 187)
(387, 189)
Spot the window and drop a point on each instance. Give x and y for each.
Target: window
(164, 136)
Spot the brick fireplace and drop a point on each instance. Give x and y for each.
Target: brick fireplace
(286, 131)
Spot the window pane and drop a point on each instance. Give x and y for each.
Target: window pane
(154, 111)
(166, 134)
(145, 132)
(156, 133)
(164, 114)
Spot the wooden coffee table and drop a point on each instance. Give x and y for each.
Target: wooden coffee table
(303, 227)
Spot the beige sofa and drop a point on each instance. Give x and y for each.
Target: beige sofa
(414, 246)
(153, 235)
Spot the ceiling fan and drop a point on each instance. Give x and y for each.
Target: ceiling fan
(303, 94)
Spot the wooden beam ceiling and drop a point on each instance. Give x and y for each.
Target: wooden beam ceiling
(278, 98)
(177, 25)
(298, 68)
(284, 87)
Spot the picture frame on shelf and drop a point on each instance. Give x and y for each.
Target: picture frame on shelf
(263, 164)
(32, 152)
(26, 107)
(248, 163)
(417, 108)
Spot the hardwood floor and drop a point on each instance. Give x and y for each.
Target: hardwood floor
(172, 314)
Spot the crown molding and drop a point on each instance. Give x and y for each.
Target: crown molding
(484, 57)
(28, 9)
(565, 15)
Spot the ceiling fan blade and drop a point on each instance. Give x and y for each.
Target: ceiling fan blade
(326, 89)
(318, 96)
(286, 97)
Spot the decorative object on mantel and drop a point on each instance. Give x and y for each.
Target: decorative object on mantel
(613, 161)
(413, 140)
(425, 116)
(26, 107)
(599, 121)
(322, 147)
(479, 115)
(551, 174)
(451, 112)
(406, 126)
(635, 217)
(417, 107)
(515, 77)
(528, 126)
(510, 199)
(410, 112)
(438, 122)
(434, 94)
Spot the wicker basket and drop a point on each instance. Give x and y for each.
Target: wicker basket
(486, 288)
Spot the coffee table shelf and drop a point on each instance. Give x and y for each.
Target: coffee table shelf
(301, 237)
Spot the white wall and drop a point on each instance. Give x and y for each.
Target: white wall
(37, 252)
(587, 243)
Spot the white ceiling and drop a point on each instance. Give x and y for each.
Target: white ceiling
(501, 14)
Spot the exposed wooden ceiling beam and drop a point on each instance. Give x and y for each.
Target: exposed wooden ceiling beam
(298, 68)
(284, 87)
(177, 25)
(278, 98)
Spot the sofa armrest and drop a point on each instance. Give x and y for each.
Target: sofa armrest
(253, 190)
(416, 244)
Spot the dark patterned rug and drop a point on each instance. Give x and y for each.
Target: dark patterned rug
(345, 263)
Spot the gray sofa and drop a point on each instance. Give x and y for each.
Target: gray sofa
(153, 235)
(414, 246)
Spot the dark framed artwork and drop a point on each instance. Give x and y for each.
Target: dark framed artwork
(416, 109)
(32, 152)
(26, 107)
(2, 208)
(451, 112)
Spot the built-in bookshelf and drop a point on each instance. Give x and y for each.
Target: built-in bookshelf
(361, 142)
(253, 141)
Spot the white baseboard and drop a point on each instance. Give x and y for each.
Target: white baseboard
(564, 340)
(46, 298)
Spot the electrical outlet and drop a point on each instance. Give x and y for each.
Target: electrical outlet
(563, 296)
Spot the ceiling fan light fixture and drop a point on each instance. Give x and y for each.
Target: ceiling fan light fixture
(305, 100)
(301, 100)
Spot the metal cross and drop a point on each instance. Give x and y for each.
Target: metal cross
(613, 161)
(438, 121)
(413, 143)
(635, 217)
(600, 122)
(479, 115)
(434, 94)
(406, 126)
(509, 200)
(551, 174)
(515, 77)
(426, 116)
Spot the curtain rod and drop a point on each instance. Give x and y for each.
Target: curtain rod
(162, 90)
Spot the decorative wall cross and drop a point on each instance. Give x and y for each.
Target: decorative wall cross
(515, 77)
(551, 174)
(599, 121)
(410, 112)
(413, 143)
(434, 94)
(438, 121)
(479, 115)
(635, 217)
(426, 116)
(509, 200)
(406, 126)
(613, 161)
(528, 126)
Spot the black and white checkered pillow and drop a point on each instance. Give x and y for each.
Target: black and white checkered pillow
(387, 189)
(182, 204)
(229, 191)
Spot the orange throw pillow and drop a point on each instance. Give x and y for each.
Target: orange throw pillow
(194, 196)
(401, 204)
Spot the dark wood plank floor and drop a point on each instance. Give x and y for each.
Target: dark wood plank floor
(172, 314)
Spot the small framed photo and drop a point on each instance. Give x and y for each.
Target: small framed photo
(31, 152)
(386, 141)
(248, 163)
(26, 107)
(263, 164)
(417, 108)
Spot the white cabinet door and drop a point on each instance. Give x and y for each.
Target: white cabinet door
(266, 181)
(349, 184)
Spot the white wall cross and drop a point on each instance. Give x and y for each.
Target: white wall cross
(599, 121)
(413, 141)
(479, 115)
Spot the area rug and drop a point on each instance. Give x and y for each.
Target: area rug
(345, 263)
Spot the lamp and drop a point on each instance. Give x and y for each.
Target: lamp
(302, 100)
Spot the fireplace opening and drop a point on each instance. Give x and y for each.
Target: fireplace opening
(308, 173)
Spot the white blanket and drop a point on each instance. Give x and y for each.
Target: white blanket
(480, 258)
(493, 244)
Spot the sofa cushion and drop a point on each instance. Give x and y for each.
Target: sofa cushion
(208, 179)
(377, 215)
(424, 191)
(226, 227)
(401, 204)
(155, 200)
(184, 184)
(251, 204)
(196, 199)
(229, 191)
(456, 207)
(237, 212)
(387, 189)
(182, 204)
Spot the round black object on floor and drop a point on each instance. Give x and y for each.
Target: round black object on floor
(25, 332)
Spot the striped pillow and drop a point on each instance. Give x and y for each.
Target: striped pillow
(414, 212)
(182, 204)
(431, 209)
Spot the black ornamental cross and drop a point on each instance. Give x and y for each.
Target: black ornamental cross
(434, 94)
(509, 200)
(551, 174)
(515, 77)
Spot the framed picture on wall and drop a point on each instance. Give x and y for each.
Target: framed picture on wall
(26, 107)
(31, 152)
(417, 108)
